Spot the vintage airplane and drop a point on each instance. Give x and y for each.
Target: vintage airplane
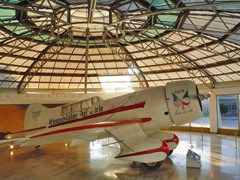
(133, 120)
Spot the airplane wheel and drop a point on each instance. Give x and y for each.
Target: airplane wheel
(170, 152)
(153, 165)
(37, 148)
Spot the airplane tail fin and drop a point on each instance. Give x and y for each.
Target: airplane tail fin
(36, 116)
(183, 101)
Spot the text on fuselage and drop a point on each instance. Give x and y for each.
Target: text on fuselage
(83, 113)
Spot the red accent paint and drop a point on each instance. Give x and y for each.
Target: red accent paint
(110, 111)
(92, 126)
(174, 139)
(185, 103)
(163, 148)
(33, 129)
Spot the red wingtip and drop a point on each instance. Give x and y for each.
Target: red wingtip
(164, 147)
(175, 139)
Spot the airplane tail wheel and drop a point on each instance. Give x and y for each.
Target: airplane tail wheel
(37, 147)
(153, 165)
(170, 152)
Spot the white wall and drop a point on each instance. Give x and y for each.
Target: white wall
(220, 89)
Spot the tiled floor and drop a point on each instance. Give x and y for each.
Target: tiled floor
(219, 157)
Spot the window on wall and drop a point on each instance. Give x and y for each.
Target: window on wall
(228, 111)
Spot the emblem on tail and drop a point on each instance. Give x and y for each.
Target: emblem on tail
(181, 104)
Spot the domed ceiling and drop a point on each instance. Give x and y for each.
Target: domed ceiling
(97, 44)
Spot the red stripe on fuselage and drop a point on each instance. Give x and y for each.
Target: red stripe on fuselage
(91, 126)
(163, 148)
(110, 111)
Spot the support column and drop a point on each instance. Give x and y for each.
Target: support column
(86, 59)
(213, 113)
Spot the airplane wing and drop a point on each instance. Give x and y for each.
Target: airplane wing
(136, 146)
(74, 135)
(15, 142)
(19, 138)
(170, 138)
(24, 133)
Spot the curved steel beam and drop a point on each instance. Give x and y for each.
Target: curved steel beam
(189, 62)
(135, 64)
(86, 59)
(178, 8)
(19, 7)
(91, 9)
(42, 60)
(213, 65)
(119, 50)
(182, 53)
(35, 66)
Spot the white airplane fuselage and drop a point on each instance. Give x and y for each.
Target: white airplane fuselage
(147, 108)
(150, 108)
(131, 119)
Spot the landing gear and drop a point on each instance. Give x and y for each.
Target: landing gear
(170, 152)
(37, 148)
(153, 165)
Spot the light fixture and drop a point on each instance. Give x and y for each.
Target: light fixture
(209, 93)
(11, 153)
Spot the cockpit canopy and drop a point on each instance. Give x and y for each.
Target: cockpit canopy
(79, 106)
